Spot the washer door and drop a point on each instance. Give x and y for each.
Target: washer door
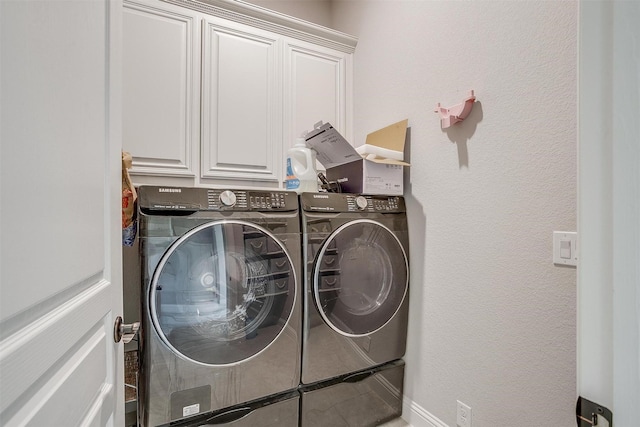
(222, 292)
(360, 278)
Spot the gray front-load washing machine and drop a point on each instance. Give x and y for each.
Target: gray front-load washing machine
(221, 300)
(355, 252)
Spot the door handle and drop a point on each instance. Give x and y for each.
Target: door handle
(354, 378)
(227, 417)
(124, 331)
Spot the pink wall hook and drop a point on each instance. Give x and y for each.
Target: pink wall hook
(457, 113)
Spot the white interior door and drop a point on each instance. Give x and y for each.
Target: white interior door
(60, 268)
(609, 209)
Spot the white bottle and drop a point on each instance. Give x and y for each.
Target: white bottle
(302, 176)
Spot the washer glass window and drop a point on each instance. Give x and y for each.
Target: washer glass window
(360, 277)
(222, 292)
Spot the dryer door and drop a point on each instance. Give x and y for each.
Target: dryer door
(360, 277)
(223, 292)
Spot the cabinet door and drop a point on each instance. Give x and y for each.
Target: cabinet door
(316, 89)
(241, 103)
(160, 88)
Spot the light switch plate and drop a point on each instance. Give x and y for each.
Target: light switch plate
(565, 246)
(463, 415)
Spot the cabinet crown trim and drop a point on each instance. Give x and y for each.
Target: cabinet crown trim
(279, 23)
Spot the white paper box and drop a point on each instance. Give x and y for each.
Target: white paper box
(370, 175)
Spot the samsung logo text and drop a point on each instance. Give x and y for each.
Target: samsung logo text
(169, 190)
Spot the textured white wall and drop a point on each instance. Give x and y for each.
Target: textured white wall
(492, 319)
(316, 11)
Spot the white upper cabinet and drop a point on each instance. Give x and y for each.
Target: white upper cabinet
(215, 91)
(161, 88)
(316, 88)
(241, 136)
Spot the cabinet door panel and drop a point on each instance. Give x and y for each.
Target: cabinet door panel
(160, 93)
(241, 135)
(316, 88)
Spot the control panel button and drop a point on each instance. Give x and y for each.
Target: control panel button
(361, 202)
(228, 198)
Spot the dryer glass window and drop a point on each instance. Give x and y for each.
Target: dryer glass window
(222, 292)
(360, 277)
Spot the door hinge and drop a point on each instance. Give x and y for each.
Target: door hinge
(587, 413)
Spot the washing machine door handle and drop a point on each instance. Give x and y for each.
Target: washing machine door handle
(124, 332)
(356, 378)
(227, 417)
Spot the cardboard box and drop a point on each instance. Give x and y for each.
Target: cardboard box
(370, 170)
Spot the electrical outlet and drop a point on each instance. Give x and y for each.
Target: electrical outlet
(463, 418)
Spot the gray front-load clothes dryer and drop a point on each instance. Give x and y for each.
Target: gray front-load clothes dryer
(356, 268)
(221, 310)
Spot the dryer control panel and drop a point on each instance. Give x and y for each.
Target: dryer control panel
(155, 198)
(342, 202)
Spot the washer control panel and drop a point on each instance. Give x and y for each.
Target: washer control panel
(251, 200)
(208, 199)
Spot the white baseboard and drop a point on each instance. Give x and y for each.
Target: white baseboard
(417, 416)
